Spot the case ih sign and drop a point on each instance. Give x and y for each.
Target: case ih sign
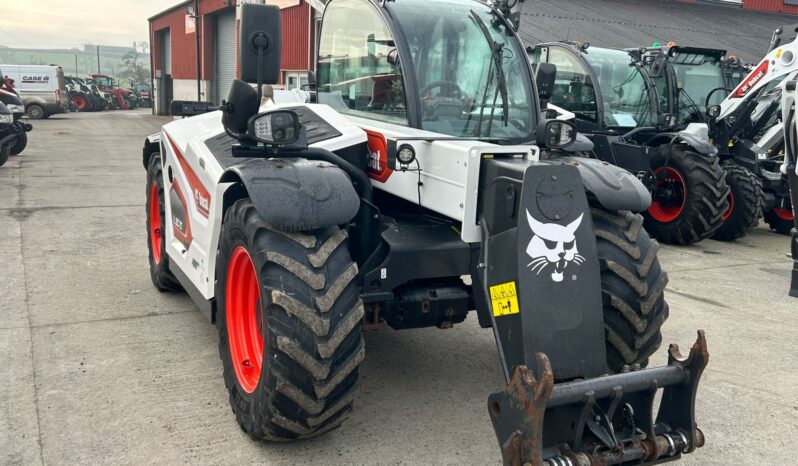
(36, 79)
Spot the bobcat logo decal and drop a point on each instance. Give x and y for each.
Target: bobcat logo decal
(553, 246)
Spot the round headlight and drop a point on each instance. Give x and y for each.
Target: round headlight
(406, 154)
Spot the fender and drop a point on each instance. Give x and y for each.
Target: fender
(694, 136)
(297, 194)
(151, 145)
(613, 187)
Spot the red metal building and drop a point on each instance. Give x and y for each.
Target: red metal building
(173, 39)
(774, 6)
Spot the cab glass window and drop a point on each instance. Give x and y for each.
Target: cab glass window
(573, 88)
(624, 89)
(358, 68)
(464, 87)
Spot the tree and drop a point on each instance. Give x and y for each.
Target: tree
(132, 70)
(35, 60)
(5, 54)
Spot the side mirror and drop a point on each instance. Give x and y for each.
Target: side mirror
(668, 120)
(555, 134)
(713, 111)
(544, 79)
(259, 43)
(276, 128)
(311, 85)
(242, 103)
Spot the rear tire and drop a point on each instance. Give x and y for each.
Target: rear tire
(695, 211)
(296, 374)
(22, 142)
(746, 201)
(632, 289)
(160, 274)
(80, 101)
(35, 112)
(781, 221)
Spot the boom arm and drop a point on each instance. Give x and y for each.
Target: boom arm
(779, 62)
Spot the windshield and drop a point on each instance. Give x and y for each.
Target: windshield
(624, 89)
(699, 75)
(459, 89)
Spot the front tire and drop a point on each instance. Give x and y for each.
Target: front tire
(288, 315)
(5, 151)
(690, 197)
(22, 142)
(746, 201)
(160, 274)
(632, 289)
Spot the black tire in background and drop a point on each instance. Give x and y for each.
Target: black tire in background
(703, 193)
(632, 289)
(20, 144)
(160, 274)
(779, 221)
(308, 311)
(5, 151)
(35, 112)
(746, 201)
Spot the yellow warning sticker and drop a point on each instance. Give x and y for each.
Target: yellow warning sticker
(504, 299)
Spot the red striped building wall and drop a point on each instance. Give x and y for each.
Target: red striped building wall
(297, 38)
(776, 6)
(773, 6)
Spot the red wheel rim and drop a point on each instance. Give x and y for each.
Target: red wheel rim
(784, 214)
(156, 234)
(242, 306)
(668, 210)
(728, 212)
(79, 102)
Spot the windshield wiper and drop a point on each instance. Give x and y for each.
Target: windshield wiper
(497, 53)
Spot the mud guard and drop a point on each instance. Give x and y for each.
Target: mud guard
(543, 281)
(613, 187)
(698, 143)
(151, 145)
(297, 194)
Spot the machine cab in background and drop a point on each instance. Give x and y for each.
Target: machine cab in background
(608, 90)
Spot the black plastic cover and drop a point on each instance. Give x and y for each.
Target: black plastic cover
(297, 195)
(613, 187)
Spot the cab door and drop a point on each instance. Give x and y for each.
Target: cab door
(574, 85)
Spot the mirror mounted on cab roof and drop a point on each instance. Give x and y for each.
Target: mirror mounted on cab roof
(259, 62)
(259, 41)
(544, 80)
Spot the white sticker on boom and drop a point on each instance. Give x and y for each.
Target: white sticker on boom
(383, 273)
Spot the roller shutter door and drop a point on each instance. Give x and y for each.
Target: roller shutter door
(167, 52)
(225, 54)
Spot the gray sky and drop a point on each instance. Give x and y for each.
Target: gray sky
(72, 23)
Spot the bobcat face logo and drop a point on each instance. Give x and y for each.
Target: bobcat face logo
(553, 247)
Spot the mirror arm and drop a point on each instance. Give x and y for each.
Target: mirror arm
(260, 73)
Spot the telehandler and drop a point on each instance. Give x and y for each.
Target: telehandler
(297, 226)
(615, 102)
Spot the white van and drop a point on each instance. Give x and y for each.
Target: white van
(41, 88)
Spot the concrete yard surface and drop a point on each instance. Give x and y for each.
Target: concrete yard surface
(97, 367)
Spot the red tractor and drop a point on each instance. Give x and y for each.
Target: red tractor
(121, 96)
